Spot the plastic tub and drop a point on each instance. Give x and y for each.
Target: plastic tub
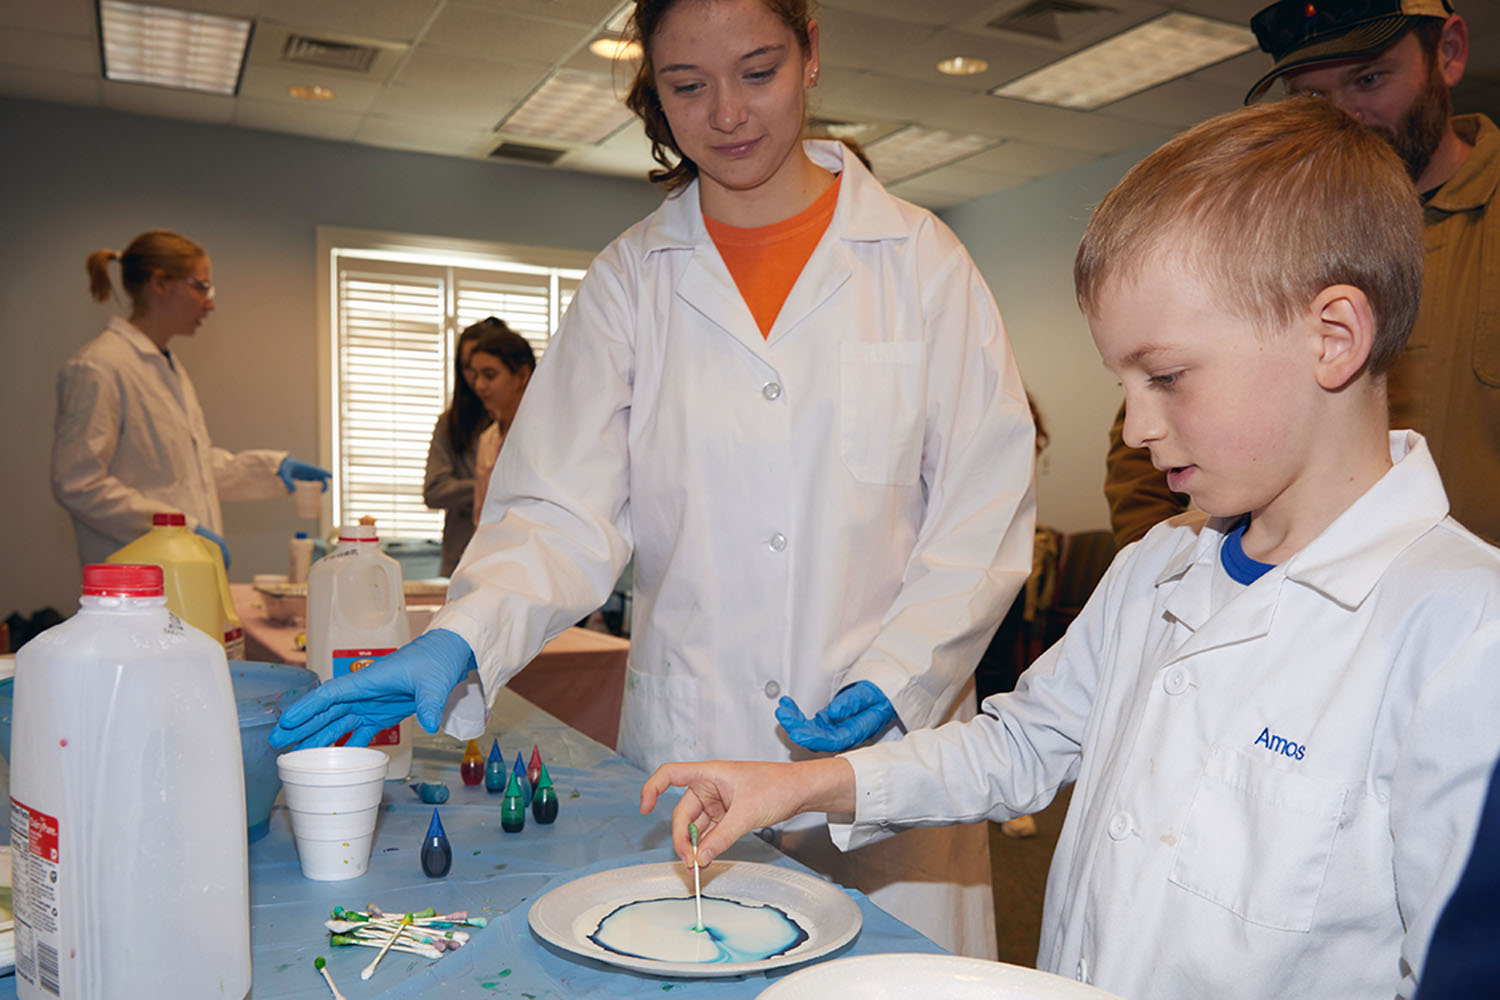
(261, 691)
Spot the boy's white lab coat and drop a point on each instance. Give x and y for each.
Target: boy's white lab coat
(1272, 801)
(848, 499)
(130, 441)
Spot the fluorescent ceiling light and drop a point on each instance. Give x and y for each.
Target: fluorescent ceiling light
(916, 150)
(172, 48)
(1163, 49)
(572, 106)
(615, 48)
(311, 93)
(963, 65)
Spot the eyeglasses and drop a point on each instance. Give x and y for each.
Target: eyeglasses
(206, 288)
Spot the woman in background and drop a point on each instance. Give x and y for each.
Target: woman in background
(449, 483)
(500, 370)
(130, 440)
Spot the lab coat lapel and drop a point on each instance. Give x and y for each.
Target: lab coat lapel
(1189, 601)
(825, 273)
(167, 381)
(707, 287)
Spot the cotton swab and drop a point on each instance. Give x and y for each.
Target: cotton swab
(319, 963)
(697, 884)
(369, 970)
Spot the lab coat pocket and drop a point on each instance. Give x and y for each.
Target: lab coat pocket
(659, 717)
(882, 401)
(1257, 840)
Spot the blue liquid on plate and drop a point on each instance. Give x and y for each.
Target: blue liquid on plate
(662, 930)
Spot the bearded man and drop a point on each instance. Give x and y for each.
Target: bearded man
(1391, 64)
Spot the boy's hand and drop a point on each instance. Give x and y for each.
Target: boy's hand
(728, 799)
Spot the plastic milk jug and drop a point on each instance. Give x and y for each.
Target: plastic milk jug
(356, 613)
(127, 810)
(196, 586)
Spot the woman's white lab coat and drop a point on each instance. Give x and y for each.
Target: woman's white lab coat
(130, 442)
(847, 499)
(1273, 799)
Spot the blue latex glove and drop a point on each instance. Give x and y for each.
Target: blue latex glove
(292, 469)
(856, 713)
(224, 548)
(414, 679)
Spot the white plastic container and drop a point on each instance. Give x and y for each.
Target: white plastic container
(299, 558)
(127, 807)
(356, 613)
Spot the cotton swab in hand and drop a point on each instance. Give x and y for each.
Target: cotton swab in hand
(369, 970)
(697, 884)
(319, 963)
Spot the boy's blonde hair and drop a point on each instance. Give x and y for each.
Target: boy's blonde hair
(1269, 205)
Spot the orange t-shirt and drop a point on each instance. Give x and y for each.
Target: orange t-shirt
(766, 260)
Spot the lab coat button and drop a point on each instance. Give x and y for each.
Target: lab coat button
(1176, 681)
(772, 689)
(777, 542)
(1120, 826)
(771, 390)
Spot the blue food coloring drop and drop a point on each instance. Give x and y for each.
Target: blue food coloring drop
(520, 772)
(494, 770)
(437, 854)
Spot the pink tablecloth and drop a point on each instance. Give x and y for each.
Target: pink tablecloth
(578, 676)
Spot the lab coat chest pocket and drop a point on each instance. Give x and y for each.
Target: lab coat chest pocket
(882, 401)
(1257, 840)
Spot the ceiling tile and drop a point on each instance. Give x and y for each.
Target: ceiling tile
(1090, 132)
(1008, 59)
(1017, 158)
(304, 119)
(498, 37)
(1178, 103)
(391, 20)
(64, 17)
(445, 86)
(854, 94)
(933, 12)
(627, 153)
(166, 102)
(422, 136)
(589, 12)
(853, 40)
(45, 50)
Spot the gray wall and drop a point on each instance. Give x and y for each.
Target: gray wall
(73, 180)
(1023, 240)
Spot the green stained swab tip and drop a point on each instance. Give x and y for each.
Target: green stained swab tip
(693, 832)
(318, 963)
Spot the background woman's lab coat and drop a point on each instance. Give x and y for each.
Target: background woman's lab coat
(130, 442)
(850, 498)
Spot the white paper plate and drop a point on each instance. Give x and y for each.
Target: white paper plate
(567, 915)
(900, 977)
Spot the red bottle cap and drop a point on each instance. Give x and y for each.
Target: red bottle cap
(122, 580)
(169, 519)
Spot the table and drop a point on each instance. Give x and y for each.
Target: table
(579, 676)
(496, 874)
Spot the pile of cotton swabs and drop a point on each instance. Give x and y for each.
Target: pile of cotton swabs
(422, 932)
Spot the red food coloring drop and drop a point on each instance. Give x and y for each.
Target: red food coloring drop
(1312, 11)
(62, 742)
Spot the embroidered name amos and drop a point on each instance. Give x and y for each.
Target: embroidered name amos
(1280, 744)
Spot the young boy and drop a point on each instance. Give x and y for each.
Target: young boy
(1280, 714)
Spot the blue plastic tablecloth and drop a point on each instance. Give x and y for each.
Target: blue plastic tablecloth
(495, 874)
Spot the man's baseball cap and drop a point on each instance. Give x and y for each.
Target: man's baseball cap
(1299, 33)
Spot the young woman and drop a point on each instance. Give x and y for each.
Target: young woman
(130, 440)
(790, 394)
(500, 368)
(449, 483)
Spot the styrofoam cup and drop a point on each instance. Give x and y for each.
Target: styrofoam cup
(333, 794)
(309, 496)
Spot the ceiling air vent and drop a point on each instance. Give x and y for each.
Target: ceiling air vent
(526, 153)
(1054, 20)
(326, 54)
